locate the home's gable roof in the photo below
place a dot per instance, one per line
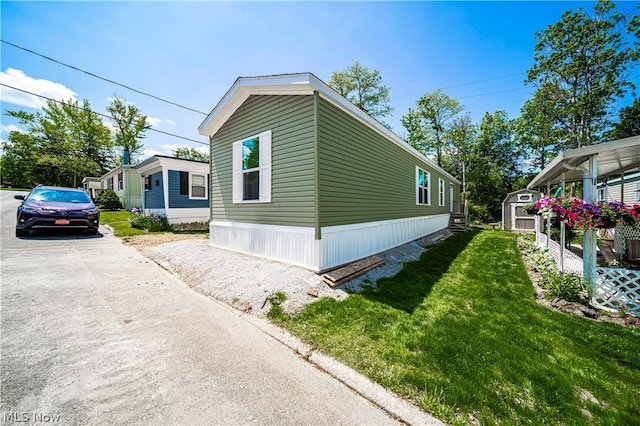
(297, 84)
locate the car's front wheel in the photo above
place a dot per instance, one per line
(21, 233)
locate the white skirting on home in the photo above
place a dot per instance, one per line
(339, 244)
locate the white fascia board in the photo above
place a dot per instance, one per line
(299, 84)
(155, 164)
(290, 84)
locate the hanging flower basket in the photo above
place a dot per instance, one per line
(578, 214)
(606, 224)
(531, 210)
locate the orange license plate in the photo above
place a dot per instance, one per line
(62, 221)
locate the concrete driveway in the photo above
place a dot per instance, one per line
(94, 333)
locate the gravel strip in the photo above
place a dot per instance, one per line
(246, 282)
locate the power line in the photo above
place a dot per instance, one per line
(466, 84)
(102, 78)
(100, 114)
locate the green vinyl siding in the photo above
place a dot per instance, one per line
(290, 119)
(364, 177)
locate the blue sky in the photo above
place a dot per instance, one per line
(191, 52)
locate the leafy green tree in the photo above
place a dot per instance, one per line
(189, 153)
(461, 138)
(364, 89)
(629, 123)
(536, 132)
(585, 59)
(426, 125)
(493, 168)
(18, 161)
(59, 146)
(130, 126)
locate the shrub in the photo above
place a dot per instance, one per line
(153, 222)
(157, 223)
(139, 221)
(569, 287)
(110, 200)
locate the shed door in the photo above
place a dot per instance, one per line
(520, 219)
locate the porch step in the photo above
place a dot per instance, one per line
(457, 222)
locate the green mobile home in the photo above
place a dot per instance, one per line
(301, 175)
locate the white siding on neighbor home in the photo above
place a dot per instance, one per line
(339, 244)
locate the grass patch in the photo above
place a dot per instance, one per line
(119, 222)
(459, 333)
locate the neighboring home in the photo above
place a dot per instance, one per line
(301, 175)
(177, 189)
(92, 186)
(514, 217)
(625, 189)
(125, 181)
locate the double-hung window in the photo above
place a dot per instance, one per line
(198, 186)
(194, 185)
(423, 193)
(440, 192)
(252, 169)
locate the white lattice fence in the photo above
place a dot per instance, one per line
(623, 233)
(614, 287)
(571, 261)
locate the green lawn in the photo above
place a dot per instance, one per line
(119, 221)
(460, 335)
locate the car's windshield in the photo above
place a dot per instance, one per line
(60, 196)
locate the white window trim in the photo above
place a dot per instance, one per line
(428, 187)
(204, 176)
(264, 170)
(441, 195)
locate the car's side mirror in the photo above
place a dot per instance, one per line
(19, 197)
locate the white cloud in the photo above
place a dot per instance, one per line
(203, 149)
(10, 128)
(154, 121)
(173, 123)
(150, 153)
(19, 80)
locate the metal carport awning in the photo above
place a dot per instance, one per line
(613, 159)
(589, 164)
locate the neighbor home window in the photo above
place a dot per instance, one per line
(422, 187)
(252, 169)
(198, 186)
(120, 180)
(110, 183)
(440, 192)
(147, 183)
(638, 191)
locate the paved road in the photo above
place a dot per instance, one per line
(94, 333)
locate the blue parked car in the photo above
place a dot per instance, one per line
(51, 207)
